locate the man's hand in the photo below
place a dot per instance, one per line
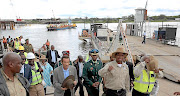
(110, 68)
(64, 88)
(77, 60)
(156, 70)
(75, 83)
(97, 84)
(40, 70)
(94, 85)
(51, 72)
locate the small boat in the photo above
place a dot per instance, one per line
(85, 35)
(52, 27)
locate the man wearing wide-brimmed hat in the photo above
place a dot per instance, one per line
(116, 74)
(47, 71)
(90, 74)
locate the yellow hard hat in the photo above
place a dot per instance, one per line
(17, 37)
(21, 48)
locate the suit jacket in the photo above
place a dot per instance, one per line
(77, 67)
(58, 78)
(49, 57)
(27, 72)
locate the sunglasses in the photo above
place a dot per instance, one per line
(23, 58)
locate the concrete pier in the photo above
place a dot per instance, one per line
(5, 24)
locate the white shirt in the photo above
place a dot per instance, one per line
(53, 59)
(22, 41)
(22, 70)
(80, 68)
(119, 65)
(144, 34)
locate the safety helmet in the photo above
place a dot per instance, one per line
(30, 55)
(17, 38)
(21, 48)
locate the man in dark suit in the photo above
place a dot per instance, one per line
(26, 69)
(79, 64)
(52, 56)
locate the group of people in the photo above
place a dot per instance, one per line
(13, 44)
(23, 75)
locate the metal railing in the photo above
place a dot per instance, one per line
(104, 47)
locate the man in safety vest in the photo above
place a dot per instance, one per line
(36, 88)
(16, 44)
(145, 73)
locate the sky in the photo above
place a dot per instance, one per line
(32, 9)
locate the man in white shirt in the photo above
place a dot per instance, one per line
(52, 56)
(79, 64)
(144, 38)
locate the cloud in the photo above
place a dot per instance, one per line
(81, 8)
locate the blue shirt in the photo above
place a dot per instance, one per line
(66, 73)
(46, 73)
(53, 56)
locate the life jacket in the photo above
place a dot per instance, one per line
(48, 43)
(17, 44)
(5, 40)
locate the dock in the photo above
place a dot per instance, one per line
(5, 24)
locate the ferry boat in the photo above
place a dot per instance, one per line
(52, 27)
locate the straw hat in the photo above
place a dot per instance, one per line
(43, 57)
(69, 82)
(119, 50)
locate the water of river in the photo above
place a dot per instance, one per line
(64, 39)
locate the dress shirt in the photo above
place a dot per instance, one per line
(66, 73)
(53, 56)
(22, 70)
(80, 69)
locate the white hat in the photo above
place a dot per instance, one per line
(30, 55)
